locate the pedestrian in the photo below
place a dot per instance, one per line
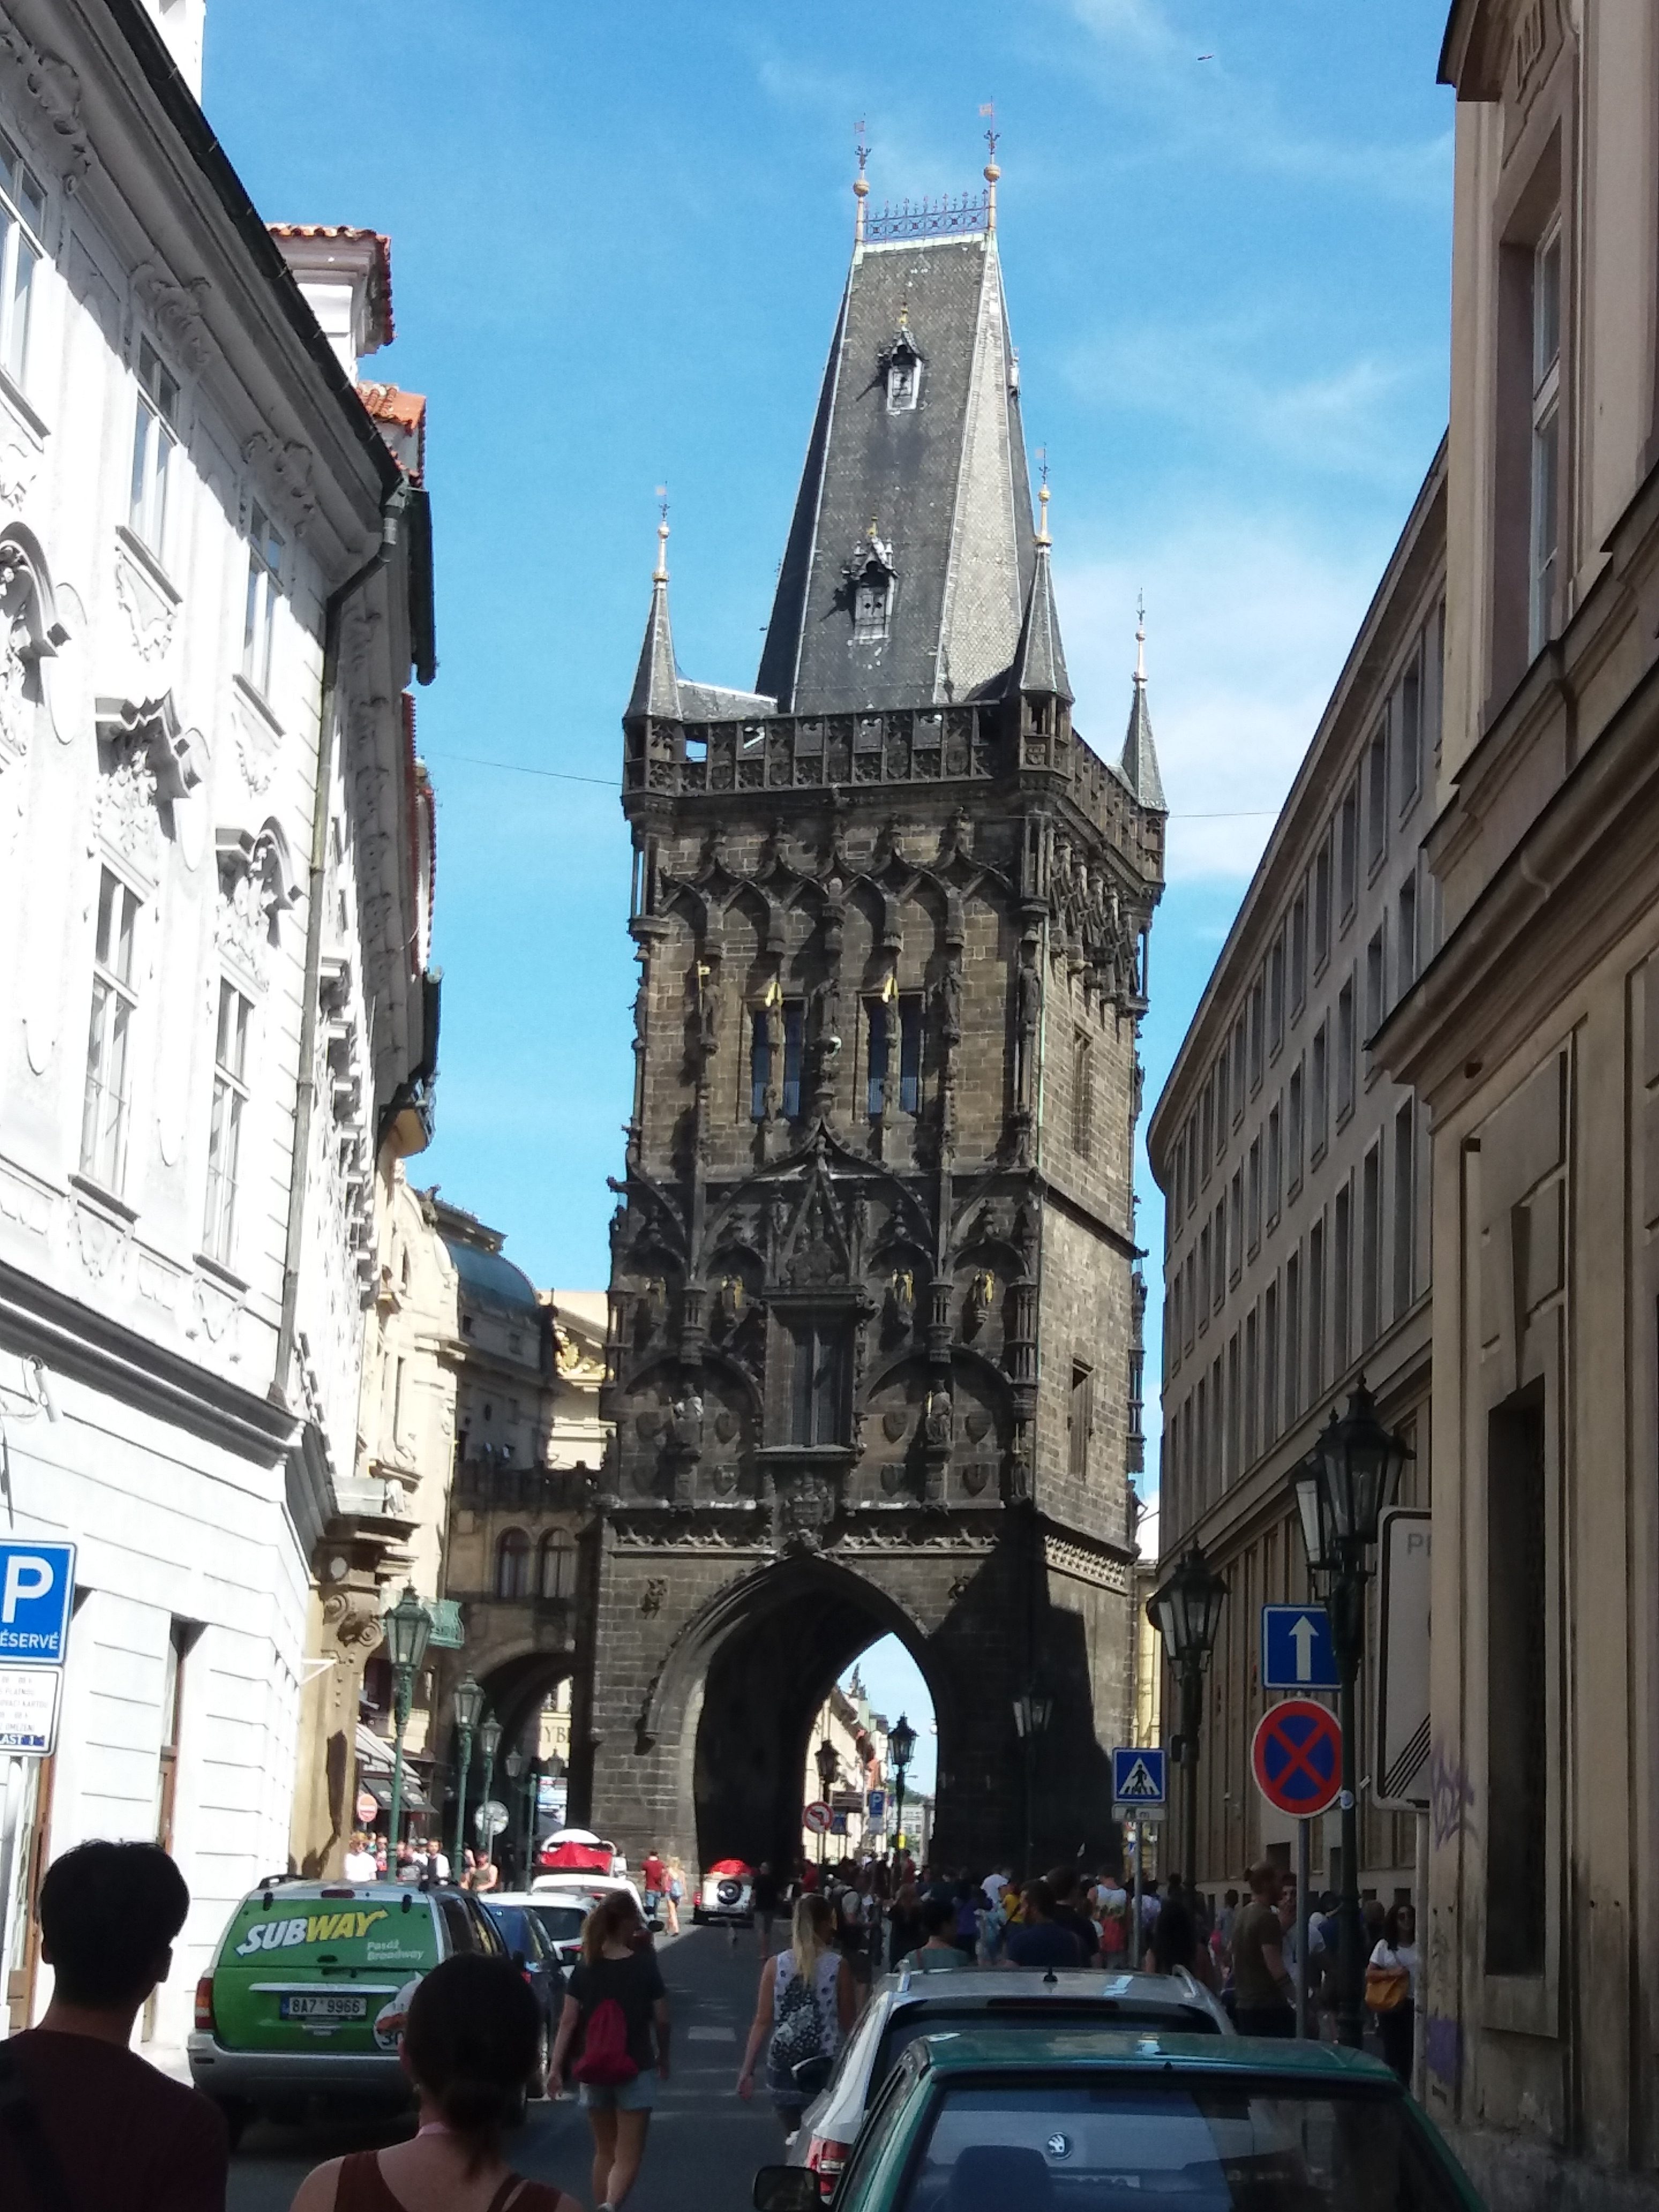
(83, 2120)
(1039, 1940)
(1262, 1989)
(1112, 1901)
(804, 2012)
(674, 1896)
(1174, 1943)
(653, 1879)
(360, 1864)
(469, 2046)
(485, 1874)
(969, 1905)
(995, 1883)
(1391, 1988)
(766, 1896)
(904, 1928)
(616, 2012)
(1069, 1912)
(940, 1951)
(409, 1862)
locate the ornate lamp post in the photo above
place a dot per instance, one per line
(1032, 1714)
(489, 1742)
(468, 1711)
(1186, 1611)
(1341, 1492)
(408, 1628)
(514, 1764)
(829, 1766)
(900, 1749)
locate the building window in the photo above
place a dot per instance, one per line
(910, 1053)
(1233, 1466)
(760, 1062)
(556, 1565)
(109, 1067)
(1240, 1085)
(1406, 938)
(1253, 1194)
(1200, 1417)
(1079, 1421)
(1257, 1012)
(225, 1126)
(1083, 1094)
(1316, 1309)
(1188, 1303)
(1375, 982)
(903, 379)
(22, 221)
(1517, 1677)
(1345, 1050)
(265, 561)
(156, 433)
(1296, 1132)
(879, 1042)
(1292, 1339)
(1276, 996)
(1222, 1116)
(1545, 526)
(1298, 951)
(1410, 727)
(1370, 1238)
(1251, 1358)
(1321, 906)
(1204, 1276)
(1270, 1365)
(1235, 1229)
(1275, 1164)
(1376, 798)
(1347, 852)
(818, 1387)
(794, 1033)
(1341, 1276)
(513, 1565)
(1218, 1287)
(1405, 1206)
(1320, 1103)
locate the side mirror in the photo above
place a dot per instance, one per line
(787, 2189)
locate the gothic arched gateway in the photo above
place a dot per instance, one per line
(874, 1351)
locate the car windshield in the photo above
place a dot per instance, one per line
(911, 2020)
(1177, 2145)
(560, 1923)
(510, 1920)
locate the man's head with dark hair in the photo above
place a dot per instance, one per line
(109, 1913)
(1039, 1901)
(1063, 1884)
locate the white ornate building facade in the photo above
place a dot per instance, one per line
(217, 1032)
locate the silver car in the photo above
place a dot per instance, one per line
(907, 2004)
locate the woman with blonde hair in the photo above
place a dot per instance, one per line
(673, 1896)
(616, 2002)
(807, 2005)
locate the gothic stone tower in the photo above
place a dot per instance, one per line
(874, 1327)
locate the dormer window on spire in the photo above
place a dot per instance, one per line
(871, 580)
(902, 368)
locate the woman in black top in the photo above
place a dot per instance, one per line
(617, 1967)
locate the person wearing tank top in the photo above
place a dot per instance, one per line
(811, 1958)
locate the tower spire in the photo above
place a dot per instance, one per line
(1139, 764)
(656, 691)
(861, 185)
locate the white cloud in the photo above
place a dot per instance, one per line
(1249, 621)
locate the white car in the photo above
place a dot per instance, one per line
(559, 1913)
(907, 2004)
(590, 1888)
(726, 1899)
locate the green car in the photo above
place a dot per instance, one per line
(1080, 2120)
(308, 1988)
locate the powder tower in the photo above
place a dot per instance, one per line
(874, 1353)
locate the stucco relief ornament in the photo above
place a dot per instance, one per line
(176, 311)
(286, 467)
(16, 709)
(55, 88)
(355, 1623)
(152, 617)
(124, 810)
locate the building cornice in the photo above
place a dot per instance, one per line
(77, 1340)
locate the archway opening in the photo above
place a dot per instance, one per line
(876, 1805)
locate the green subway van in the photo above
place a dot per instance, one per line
(307, 1993)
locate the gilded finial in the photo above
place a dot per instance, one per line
(1140, 637)
(861, 185)
(992, 171)
(659, 573)
(1042, 536)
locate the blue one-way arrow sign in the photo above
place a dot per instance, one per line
(1296, 1652)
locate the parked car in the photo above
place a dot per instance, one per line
(727, 1896)
(308, 1991)
(559, 1913)
(532, 1949)
(1155, 2122)
(578, 1850)
(907, 2004)
(591, 1887)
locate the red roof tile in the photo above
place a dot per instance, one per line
(388, 403)
(380, 287)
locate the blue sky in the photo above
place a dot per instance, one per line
(619, 236)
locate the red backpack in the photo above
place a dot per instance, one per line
(606, 2061)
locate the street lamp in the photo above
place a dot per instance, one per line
(900, 1749)
(1341, 1492)
(489, 1742)
(1032, 1714)
(514, 1764)
(407, 1628)
(829, 1766)
(468, 1712)
(1186, 1611)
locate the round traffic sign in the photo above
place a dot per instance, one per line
(1296, 1757)
(818, 1817)
(368, 1806)
(490, 1818)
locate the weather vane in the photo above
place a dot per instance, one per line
(861, 183)
(992, 134)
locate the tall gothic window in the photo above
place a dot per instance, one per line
(880, 1040)
(1545, 436)
(513, 1565)
(556, 1574)
(1083, 1095)
(794, 1037)
(910, 1053)
(818, 1395)
(114, 1003)
(760, 1062)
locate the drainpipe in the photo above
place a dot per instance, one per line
(305, 1098)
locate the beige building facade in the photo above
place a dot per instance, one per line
(1296, 1193)
(1533, 1040)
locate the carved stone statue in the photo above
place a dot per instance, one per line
(729, 1302)
(982, 1291)
(948, 993)
(899, 1311)
(938, 1424)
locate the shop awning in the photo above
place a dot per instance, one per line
(379, 1787)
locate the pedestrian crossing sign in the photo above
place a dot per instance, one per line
(1138, 1778)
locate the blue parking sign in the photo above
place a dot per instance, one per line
(37, 1594)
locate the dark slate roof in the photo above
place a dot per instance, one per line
(1040, 662)
(1139, 764)
(656, 684)
(943, 484)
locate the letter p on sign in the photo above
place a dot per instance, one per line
(28, 1576)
